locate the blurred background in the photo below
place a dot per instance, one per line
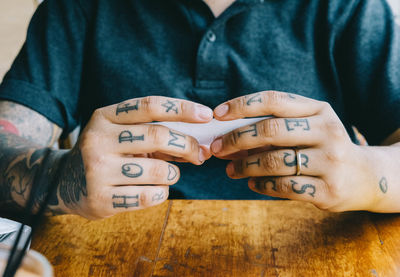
(14, 19)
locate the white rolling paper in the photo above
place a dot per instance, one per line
(9, 231)
(205, 133)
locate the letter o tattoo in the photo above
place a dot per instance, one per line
(132, 170)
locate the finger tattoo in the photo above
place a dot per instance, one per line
(262, 185)
(126, 201)
(253, 163)
(383, 185)
(294, 123)
(158, 196)
(304, 160)
(171, 106)
(127, 136)
(253, 99)
(252, 129)
(303, 188)
(171, 173)
(126, 107)
(132, 170)
(177, 140)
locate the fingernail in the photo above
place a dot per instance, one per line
(230, 169)
(216, 146)
(202, 157)
(221, 110)
(204, 112)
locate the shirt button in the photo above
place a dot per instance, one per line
(211, 37)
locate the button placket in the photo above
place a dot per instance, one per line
(211, 36)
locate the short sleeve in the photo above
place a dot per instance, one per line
(367, 55)
(46, 74)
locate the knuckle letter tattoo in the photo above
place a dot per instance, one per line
(132, 170)
(158, 196)
(171, 106)
(125, 204)
(171, 173)
(127, 136)
(126, 107)
(262, 185)
(253, 163)
(304, 160)
(253, 129)
(293, 124)
(253, 99)
(303, 188)
(177, 139)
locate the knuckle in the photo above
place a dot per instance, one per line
(335, 130)
(157, 172)
(325, 105)
(274, 98)
(238, 106)
(98, 113)
(88, 140)
(192, 147)
(153, 133)
(283, 187)
(147, 104)
(145, 198)
(335, 155)
(94, 164)
(270, 162)
(93, 209)
(269, 128)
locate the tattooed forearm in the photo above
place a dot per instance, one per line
(171, 106)
(383, 185)
(125, 201)
(127, 136)
(72, 182)
(132, 170)
(126, 107)
(303, 189)
(293, 162)
(20, 163)
(295, 123)
(26, 123)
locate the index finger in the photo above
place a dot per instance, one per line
(156, 108)
(275, 103)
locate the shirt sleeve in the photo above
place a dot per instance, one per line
(367, 55)
(46, 75)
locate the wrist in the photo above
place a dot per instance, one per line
(382, 167)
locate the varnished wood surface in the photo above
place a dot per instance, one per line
(224, 238)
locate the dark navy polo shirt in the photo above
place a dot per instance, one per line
(84, 54)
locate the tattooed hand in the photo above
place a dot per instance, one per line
(124, 161)
(336, 174)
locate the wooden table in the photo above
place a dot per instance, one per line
(224, 238)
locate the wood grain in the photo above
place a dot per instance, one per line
(123, 245)
(224, 238)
